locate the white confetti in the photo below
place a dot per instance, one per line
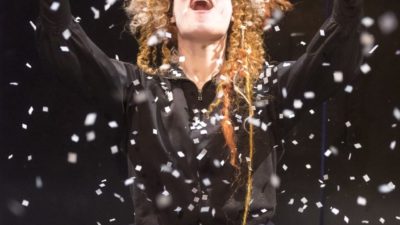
(25, 203)
(181, 154)
(75, 138)
(96, 12)
(338, 76)
(365, 68)
(367, 22)
(373, 49)
(129, 181)
(45, 109)
(99, 192)
(66, 34)
(54, 6)
(386, 188)
(361, 201)
(30, 111)
(297, 104)
(113, 124)
(366, 178)
(206, 182)
(138, 168)
(32, 25)
(90, 119)
(392, 145)
(348, 89)
(284, 167)
(182, 59)
(64, 48)
(388, 22)
(275, 181)
(109, 3)
(90, 136)
(201, 154)
(335, 211)
(28, 65)
(114, 149)
(72, 157)
(309, 95)
(396, 113)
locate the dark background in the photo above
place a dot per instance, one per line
(67, 195)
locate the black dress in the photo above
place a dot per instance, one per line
(176, 155)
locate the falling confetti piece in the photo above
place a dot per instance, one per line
(201, 154)
(366, 178)
(388, 22)
(75, 138)
(30, 111)
(90, 136)
(392, 145)
(96, 12)
(25, 203)
(361, 201)
(113, 124)
(396, 113)
(72, 157)
(66, 34)
(38, 182)
(114, 149)
(338, 76)
(367, 22)
(365, 68)
(335, 211)
(32, 25)
(348, 89)
(55, 6)
(90, 119)
(275, 181)
(386, 188)
(64, 48)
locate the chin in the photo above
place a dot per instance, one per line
(205, 35)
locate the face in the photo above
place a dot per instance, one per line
(202, 20)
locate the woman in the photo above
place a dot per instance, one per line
(202, 115)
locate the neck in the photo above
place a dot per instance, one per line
(202, 60)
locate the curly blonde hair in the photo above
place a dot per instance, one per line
(244, 61)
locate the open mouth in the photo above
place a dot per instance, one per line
(201, 4)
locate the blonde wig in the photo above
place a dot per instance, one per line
(245, 56)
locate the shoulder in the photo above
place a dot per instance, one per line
(129, 72)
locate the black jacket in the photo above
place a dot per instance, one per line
(176, 155)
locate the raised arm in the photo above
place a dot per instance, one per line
(334, 51)
(66, 51)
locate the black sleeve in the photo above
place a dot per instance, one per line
(308, 81)
(66, 51)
